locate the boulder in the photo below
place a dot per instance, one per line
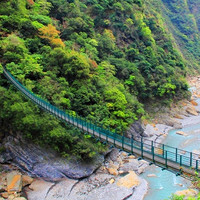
(98, 187)
(181, 133)
(26, 180)
(133, 165)
(149, 130)
(173, 122)
(113, 155)
(191, 110)
(136, 130)
(124, 154)
(151, 175)
(113, 171)
(38, 189)
(140, 191)
(41, 190)
(142, 168)
(111, 181)
(180, 184)
(131, 157)
(125, 161)
(159, 130)
(14, 182)
(129, 181)
(178, 116)
(178, 125)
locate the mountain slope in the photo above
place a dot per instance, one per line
(182, 18)
(103, 60)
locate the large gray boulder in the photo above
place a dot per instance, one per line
(136, 130)
(44, 163)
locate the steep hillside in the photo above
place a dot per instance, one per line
(182, 19)
(103, 60)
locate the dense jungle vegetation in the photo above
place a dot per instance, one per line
(103, 60)
(182, 17)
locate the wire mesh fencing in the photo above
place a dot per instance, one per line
(165, 152)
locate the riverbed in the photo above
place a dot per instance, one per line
(164, 183)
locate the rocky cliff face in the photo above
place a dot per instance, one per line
(44, 163)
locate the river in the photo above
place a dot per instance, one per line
(165, 183)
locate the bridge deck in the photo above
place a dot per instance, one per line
(161, 154)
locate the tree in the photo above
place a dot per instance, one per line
(51, 34)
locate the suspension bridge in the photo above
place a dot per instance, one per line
(160, 154)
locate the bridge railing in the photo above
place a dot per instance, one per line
(182, 157)
(178, 155)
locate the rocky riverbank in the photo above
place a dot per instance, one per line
(177, 116)
(110, 176)
(182, 115)
(117, 178)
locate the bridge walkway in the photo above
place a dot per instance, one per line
(160, 154)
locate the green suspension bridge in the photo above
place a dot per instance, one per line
(160, 154)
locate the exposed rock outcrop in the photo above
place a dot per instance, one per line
(100, 185)
(129, 181)
(191, 110)
(136, 130)
(39, 162)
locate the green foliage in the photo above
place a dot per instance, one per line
(182, 18)
(196, 184)
(102, 60)
(182, 197)
(44, 129)
(1, 69)
(176, 197)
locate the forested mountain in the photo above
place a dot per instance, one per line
(103, 60)
(182, 18)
